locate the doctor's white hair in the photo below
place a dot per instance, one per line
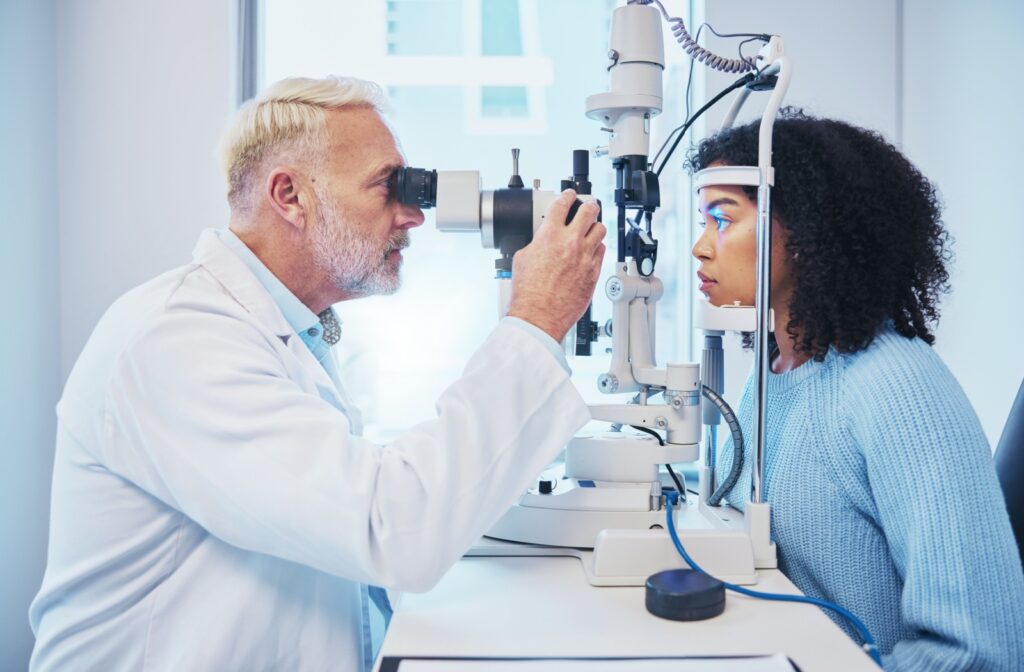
(289, 119)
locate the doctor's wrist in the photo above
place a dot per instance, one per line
(554, 326)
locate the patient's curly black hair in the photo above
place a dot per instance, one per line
(865, 236)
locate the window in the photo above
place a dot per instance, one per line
(469, 80)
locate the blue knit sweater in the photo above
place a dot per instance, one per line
(884, 499)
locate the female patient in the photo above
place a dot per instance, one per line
(869, 437)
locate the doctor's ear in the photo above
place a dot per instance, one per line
(285, 197)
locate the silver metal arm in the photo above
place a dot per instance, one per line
(762, 300)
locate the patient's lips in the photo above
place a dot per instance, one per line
(705, 282)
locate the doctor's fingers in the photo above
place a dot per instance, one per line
(584, 219)
(595, 235)
(557, 213)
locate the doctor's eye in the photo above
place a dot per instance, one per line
(387, 185)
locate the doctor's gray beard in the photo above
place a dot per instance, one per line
(356, 264)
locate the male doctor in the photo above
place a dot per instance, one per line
(214, 507)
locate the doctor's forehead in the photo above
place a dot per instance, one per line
(360, 140)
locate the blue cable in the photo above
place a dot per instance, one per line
(869, 643)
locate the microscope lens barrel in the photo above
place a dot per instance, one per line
(581, 172)
(458, 201)
(416, 186)
(580, 163)
(512, 219)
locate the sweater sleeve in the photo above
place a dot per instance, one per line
(940, 508)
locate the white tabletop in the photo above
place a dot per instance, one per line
(543, 606)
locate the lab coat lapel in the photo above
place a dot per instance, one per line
(327, 385)
(355, 416)
(230, 271)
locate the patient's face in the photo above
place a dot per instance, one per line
(727, 247)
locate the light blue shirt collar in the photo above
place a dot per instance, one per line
(304, 321)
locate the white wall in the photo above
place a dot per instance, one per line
(30, 322)
(962, 126)
(111, 112)
(144, 90)
(843, 53)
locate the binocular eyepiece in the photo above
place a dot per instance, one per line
(505, 219)
(416, 186)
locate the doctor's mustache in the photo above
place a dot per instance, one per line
(397, 241)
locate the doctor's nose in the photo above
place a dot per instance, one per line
(409, 216)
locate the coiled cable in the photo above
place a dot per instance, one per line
(737, 446)
(694, 50)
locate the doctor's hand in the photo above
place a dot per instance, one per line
(553, 277)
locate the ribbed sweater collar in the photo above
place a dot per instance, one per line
(780, 382)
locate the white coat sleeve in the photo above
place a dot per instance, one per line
(201, 414)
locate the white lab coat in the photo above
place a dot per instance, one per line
(212, 509)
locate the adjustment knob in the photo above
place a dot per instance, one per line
(515, 182)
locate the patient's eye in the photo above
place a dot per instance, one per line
(718, 218)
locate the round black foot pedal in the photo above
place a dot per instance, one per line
(684, 595)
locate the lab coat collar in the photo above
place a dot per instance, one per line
(298, 314)
(213, 254)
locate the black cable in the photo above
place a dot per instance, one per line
(744, 58)
(742, 81)
(689, 77)
(680, 488)
(648, 430)
(686, 99)
(761, 36)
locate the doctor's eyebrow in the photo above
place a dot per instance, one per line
(383, 172)
(717, 202)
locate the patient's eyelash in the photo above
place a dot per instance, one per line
(721, 221)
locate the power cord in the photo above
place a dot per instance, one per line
(697, 52)
(661, 442)
(751, 37)
(869, 645)
(742, 81)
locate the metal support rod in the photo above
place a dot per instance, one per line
(762, 304)
(762, 296)
(734, 109)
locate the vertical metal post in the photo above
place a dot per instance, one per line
(762, 297)
(248, 52)
(762, 304)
